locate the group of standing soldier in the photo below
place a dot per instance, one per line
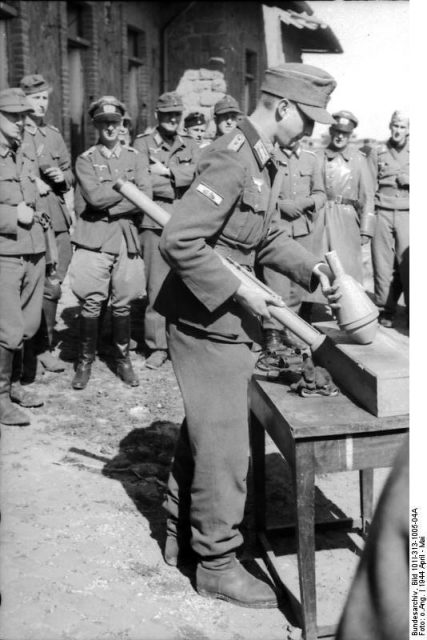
(338, 197)
(252, 194)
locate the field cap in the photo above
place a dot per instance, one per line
(308, 86)
(14, 101)
(193, 119)
(398, 116)
(344, 121)
(227, 104)
(107, 108)
(170, 102)
(34, 83)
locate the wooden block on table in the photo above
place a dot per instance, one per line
(376, 375)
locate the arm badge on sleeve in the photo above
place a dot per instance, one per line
(209, 193)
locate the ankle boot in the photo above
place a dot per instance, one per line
(47, 357)
(22, 396)
(87, 348)
(231, 582)
(9, 413)
(121, 340)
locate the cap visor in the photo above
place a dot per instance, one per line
(16, 109)
(220, 113)
(108, 117)
(318, 114)
(170, 109)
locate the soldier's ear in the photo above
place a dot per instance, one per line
(282, 108)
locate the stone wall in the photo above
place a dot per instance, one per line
(200, 90)
(219, 30)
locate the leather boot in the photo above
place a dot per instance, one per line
(87, 348)
(9, 413)
(46, 357)
(19, 394)
(234, 584)
(121, 340)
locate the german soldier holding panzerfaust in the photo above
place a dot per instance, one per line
(213, 317)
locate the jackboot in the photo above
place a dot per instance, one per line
(19, 394)
(9, 413)
(231, 582)
(47, 326)
(121, 341)
(87, 348)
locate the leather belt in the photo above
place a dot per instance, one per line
(244, 258)
(163, 199)
(344, 201)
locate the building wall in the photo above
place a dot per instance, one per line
(220, 30)
(37, 42)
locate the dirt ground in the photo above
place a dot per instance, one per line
(83, 526)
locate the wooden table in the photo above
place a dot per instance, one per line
(315, 435)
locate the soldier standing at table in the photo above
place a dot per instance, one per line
(56, 179)
(171, 159)
(22, 249)
(390, 244)
(301, 196)
(107, 259)
(226, 114)
(212, 317)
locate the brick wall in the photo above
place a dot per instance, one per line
(38, 43)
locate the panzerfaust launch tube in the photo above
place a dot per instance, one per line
(284, 315)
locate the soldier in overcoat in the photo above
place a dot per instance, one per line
(22, 255)
(172, 160)
(212, 317)
(55, 180)
(107, 260)
(347, 221)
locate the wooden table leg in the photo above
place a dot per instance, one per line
(366, 481)
(257, 437)
(304, 493)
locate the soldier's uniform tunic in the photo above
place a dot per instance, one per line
(301, 179)
(22, 248)
(51, 151)
(210, 335)
(106, 236)
(180, 157)
(390, 243)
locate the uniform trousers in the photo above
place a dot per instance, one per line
(65, 252)
(95, 275)
(156, 270)
(390, 247)
(21, 291)
(207, 483)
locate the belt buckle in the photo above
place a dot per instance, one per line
(338, 199)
